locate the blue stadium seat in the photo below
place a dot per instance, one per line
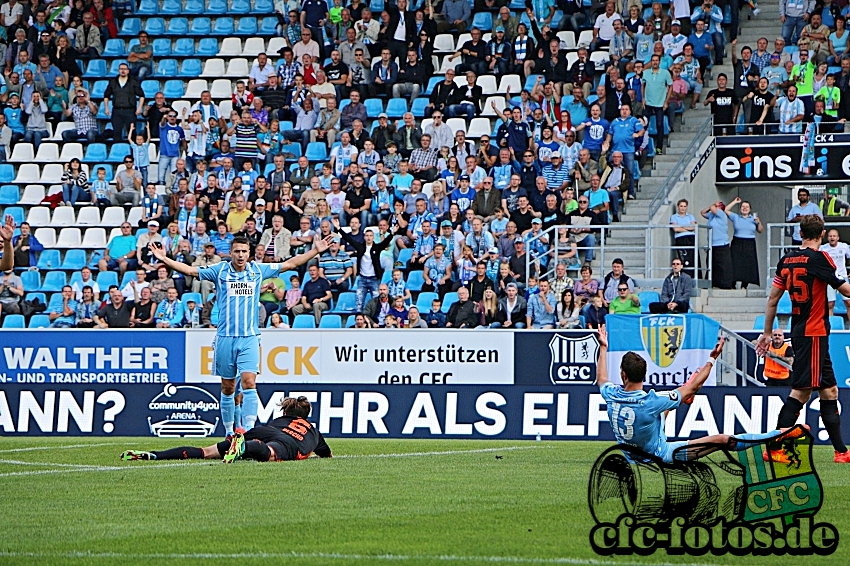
(39, 321)
(118, 152)
(74, 260)
(148, 8)
(53, 281)
(155, 26)
(404, 256)
(836, 322)
(268, 26)
(190, 68)
(349, 323)
(840, 307)
(49, 259)
(784, 306)
(483, 21)
(396, 107)
(9, 195)
(293, 152)
(432, 82)
(530, 82)
(448, 300)
(7, 174)
(16, 212)
(13, 321)
(114, 48)
(374, 106)
(345, 304)
(238, 7)
(162, 47)
(130, 27)
(647, 297)
(95, 153)
(330, 321)
(304, 321)
(54, 302)
(377, 6)
(166, 68)
(106, 278)
(263, 7)
(247, 26)
(217, 7)
(759, 323)
(173, 89)
(178, 26)
(185, 47)
(31, 279)
(202, 27)
(36, 295)
(223, 26)
(194, 7)
(150, 87)
(652, 128)
(95, 69)
(171, 7)
(98, 89)
(415, 280)
(418, 108)
(191, 297)
(316, 151)
(423, 302)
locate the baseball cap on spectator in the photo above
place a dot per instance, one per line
(519, 240)
(15, 94)
(153, 223)
(463, 177)
(209, 245)
(260, 202)
(675, 23)
(383, 115)
(512, 284)
(446, 223)
(775, 56)
(494, 250)
(536, 221)
(499, 29)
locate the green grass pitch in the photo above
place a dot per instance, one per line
(71, 501)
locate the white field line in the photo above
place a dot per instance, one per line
(57, 447)
(70, 468)
(331, 556)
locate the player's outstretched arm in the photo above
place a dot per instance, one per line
(602, 362)
(319, 248)
(7, 232)
(159, 253)
(770, 314)
(695, 383)
(844, 289)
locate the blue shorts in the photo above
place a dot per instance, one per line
(234, 355)
(667, 451)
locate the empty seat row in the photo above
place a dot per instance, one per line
(65, 216)
(185, 47)
(200, 26)
(174, 7)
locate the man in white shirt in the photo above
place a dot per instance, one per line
(440, 132)
(86, 279)
(306, 45)
(258, 78)
(674, 42)
(603, 28)
(840, 253)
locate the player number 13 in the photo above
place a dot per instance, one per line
(624, 417)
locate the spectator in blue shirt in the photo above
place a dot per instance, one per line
(169, 313)
(221, 240)
(541, 307)
(315, 297)
(595, 129)
(65, 314)
(623, 136)
(804, 208)
(721, 254)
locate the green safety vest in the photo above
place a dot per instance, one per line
(831, 210)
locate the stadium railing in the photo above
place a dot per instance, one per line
(779, 238)
(654, 242)
(678, 173)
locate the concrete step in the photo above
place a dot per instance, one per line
(742, 304)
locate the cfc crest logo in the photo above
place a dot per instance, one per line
(183, 410)
(573, 359)
(662, 336)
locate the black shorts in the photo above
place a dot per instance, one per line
(812, 367)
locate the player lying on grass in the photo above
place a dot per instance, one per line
(290, 437)
(637, 416)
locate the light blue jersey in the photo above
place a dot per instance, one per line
(637, 418)
(238, 295)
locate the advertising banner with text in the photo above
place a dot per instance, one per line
(383, 411)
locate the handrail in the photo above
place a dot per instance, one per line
(678, 172)
(734, 367)
(778, 241)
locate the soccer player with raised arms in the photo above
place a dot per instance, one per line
(637, 416)
(237, 342)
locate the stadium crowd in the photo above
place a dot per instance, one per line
(416, 205)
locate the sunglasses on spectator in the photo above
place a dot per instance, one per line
(623, 289)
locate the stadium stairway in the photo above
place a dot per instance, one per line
(734, 308)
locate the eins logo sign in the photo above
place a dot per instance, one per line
(756, 167)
